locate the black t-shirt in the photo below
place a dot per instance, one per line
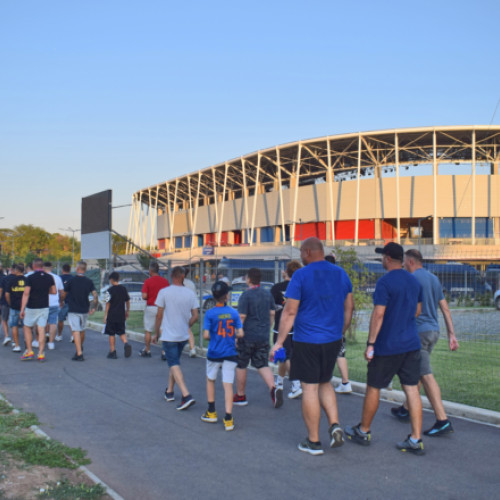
(16, 289)
(40, 283)
(118, 296)
(65, 278)
(3, 285)
(78, 290)
(278, 293)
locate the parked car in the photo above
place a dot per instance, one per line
(496, 299)
(134, 290)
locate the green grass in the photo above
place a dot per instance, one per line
(65, 490)
(469, 376)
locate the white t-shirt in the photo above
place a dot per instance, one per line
(189, 284)
(177, 302)
(54, 299)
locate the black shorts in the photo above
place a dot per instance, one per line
(115, 328)
(381, 369)
(287, 345)
(255, 352)
(314, 363)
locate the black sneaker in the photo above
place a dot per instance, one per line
(407, 445)
(127, 349)
(311, 448)
(401, 413)
(112, 355)
(336, 436)
(145, 354)
(439, 429)
(169, 396)
(277, 396)
(355, 434)
(77, 357)
(186, 403)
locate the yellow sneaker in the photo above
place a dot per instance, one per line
(209, 416)
(229, 424)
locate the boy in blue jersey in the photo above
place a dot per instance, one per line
(221, 326)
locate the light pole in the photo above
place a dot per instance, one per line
(72, 231)
(429, 217)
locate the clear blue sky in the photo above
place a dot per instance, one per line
(108, 94)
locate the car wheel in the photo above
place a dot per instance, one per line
(209, 303)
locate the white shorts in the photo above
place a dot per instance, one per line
(228, 368)
(77, 321)
(37, 317)
(150, 318)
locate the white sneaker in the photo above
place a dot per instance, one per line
(192, 353)
(59, 338)
(278, 383)
(296, 390)
(16, 348)
(51, 346)
(6, 341)
(34, 343)
(13, 344)
(72, 340)
(344, 388)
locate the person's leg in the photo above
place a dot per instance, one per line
(147, 341)
(415, 409)
(370, 407)
(433, 393)
(112, 343)
(28, 338)
(82, 337)
(311, 410)
(267, 375)
(15, 335)
(77, 338)
(228, 397)
(191, 340)
(41, 339)
(241, 381)
(52, 332)
(328, 402)
(171, 382)
(178, 378)
(344, 372)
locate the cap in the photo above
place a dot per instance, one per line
(220, 288)
(393, 250)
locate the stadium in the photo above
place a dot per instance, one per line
(432, 187)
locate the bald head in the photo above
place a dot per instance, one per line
(311, 250)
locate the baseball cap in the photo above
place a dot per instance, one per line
(220, 288)
(393, 250)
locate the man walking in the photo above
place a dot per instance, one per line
(177, 313)
(319, 306)
(150, 290)
(54, 304)
(428, 331)
(77, 292)
(14, 297)
(66, 276)
(393, 347)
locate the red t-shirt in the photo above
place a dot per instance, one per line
(152, 286)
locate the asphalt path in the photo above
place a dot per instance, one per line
(143, 448)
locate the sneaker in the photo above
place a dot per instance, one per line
(77, 357)
(127, 348)
(59, 338)
(186, 403)
(6, 341)
(192, 353)
(240, 400)
(145, 354)
(344, 388)
(439, 429)
(354, 434)
(112, 355)
(277, 396)
(296, 390)
(41, 357)
(169, 396)
(72, 340)
(16, 348)
(209, 416)
(311, 448)
(229, 424)
(408, 445)
(401, 413)
(13, 344)
(27, 355)
(51, 346)
(278, 383)
(34, 343)
(163, 356)
(336, 436)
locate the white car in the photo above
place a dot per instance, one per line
(134, 289)
(496, 299)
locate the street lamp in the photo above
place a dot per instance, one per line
(72, 231)
(429, 217)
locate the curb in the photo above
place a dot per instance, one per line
(452, 409)
(36, 430)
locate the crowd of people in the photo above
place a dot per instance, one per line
(309, 313)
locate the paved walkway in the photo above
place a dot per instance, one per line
(143, 448)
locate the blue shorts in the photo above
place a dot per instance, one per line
(173, 351)
(53, 312)
(14, 319)
(63, 313)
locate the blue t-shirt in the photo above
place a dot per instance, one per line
(322, 289)
(432, 293)
(222, 323)
(400, 293)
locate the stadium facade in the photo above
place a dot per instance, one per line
(435, 187)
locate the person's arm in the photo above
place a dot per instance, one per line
(93, 305)
(452, 339)
(419, 309)
(7, 298)
(348, 310)
(376, 321)
(286, 322)
(194, 317)
(239, 333)
(53, 290)
(159, 318)
(106, 310)
(127, 309)
(272, 313)
(206, 334)
(24, 300)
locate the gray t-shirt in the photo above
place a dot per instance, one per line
(432, 293)
(256, 304)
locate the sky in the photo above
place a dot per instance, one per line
(122, 95)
